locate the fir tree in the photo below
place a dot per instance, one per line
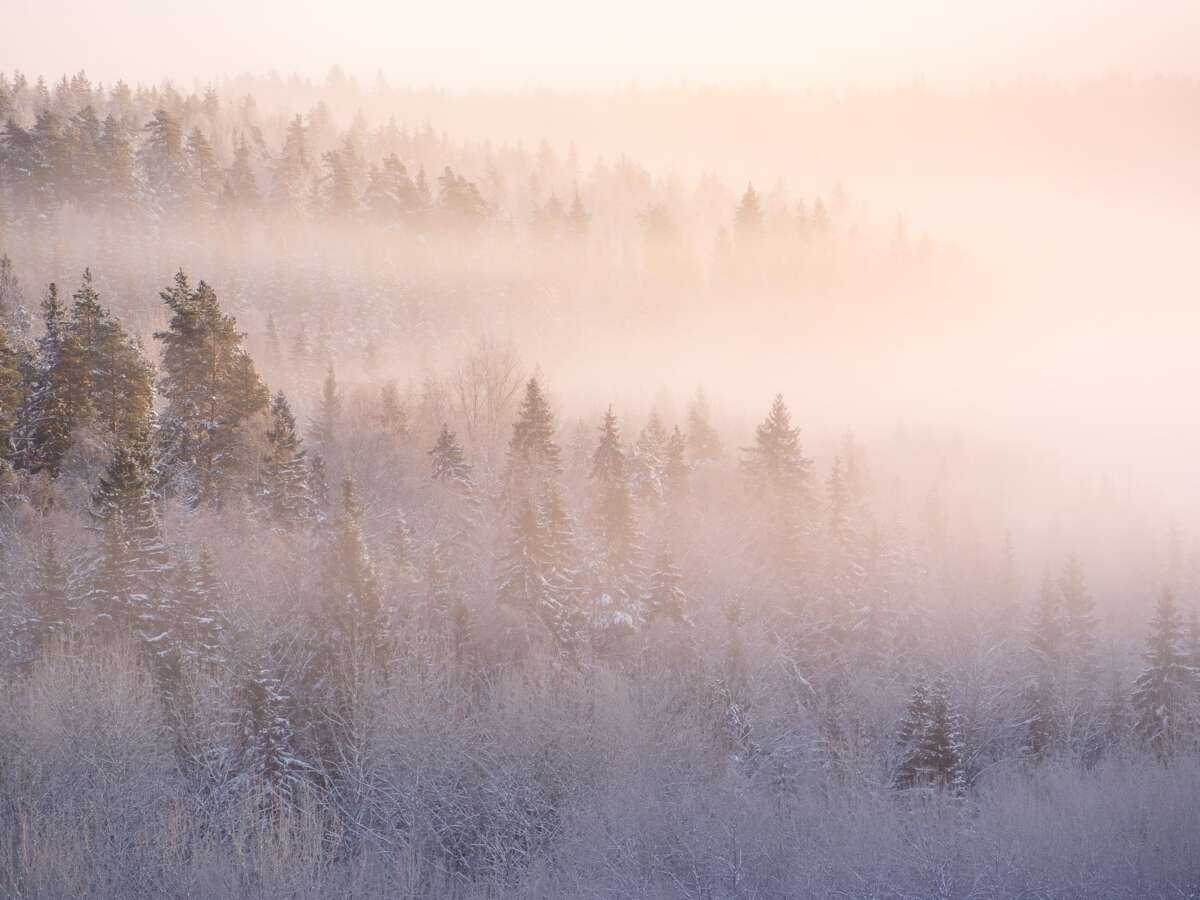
(123, 489)
(677, 472)
(1161, 693)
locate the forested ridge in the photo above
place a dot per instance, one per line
(313, 586)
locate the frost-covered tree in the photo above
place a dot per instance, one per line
(325, 424)
(198, 611)
(1163, 690)
(704, 443)
(449, 465)
(665, 598)
(48, 601)
(774, 465)
(284, 480)
(266, 755)
(46, 417)
(930, 742)
(211, 391)
(616, 593)
(522, 574)
(648, 461)
(533, 456)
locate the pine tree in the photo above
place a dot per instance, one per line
(449, 464)
(284, 485)
(1162, 691)
(211, 391)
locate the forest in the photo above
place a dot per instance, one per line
(386, 513)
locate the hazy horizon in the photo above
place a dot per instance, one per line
(536, 44)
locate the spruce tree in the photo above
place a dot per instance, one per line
(198, 611)
(351, 615)
(533, 456)
(748, 219)
(775, 465)
(326, 423)
(617, 533)
(524, 567)
(46, 418)
(266, 757)
(1041, 694)
(116, 604)
(449, 465)
(930, 742)
(676, 472)
(12, 392)
(124, 487)
(1162, 691)
(648, 461)
(284, 485)
(666, 599)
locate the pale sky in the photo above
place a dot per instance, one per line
(867, 43)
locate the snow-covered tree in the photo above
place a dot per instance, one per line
(1163, 690)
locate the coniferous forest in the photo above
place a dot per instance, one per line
(391, 511)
